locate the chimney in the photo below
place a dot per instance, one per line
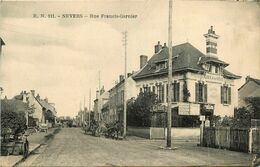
(97, 92)
(121, 78)
(247, 78)
(164, 46)
(2, 43)
(24, 96)
(38, 96)
(102, 90)
(157, 47)
(211, 43)
(46, 99)
(143, 61)
(33, 92)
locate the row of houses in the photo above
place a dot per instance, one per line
(36, 107)
(33, 105)
(201, 83)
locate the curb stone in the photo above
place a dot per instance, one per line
(23, 158)
(38, 146)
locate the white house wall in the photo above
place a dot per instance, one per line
(213, 81)
(38, 108)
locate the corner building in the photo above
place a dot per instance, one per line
(201, 83)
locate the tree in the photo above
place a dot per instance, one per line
(13, 120)
(139, 109)
(13, 116)
(186, 92)
(244, 115)
(253, 106)
(49, 116)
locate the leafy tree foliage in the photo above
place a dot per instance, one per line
(13, 120)
(13, 116)
(242, 117)
(139, 109)
(186, 92)
(49, 116)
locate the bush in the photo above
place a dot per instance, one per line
(49, 116)
(13, 120)
(139, 109)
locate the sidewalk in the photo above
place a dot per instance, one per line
(35, 141)
(12, 160)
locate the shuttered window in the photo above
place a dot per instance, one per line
(153, 89)
(176, 91)
(225, 95)
(160, 93)
(167, 92)
(201, 92)
(205, 93)
(229, 95)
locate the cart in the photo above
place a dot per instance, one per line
(15, 145)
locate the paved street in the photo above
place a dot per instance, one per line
(70, 147)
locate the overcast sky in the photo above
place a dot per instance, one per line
(60, 58)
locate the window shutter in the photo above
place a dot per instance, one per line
(222, 94)
(174, 91)
(162, 93)
(178, 92)
(229, 95)
(167, 92)
(196, 92)
(205, 93)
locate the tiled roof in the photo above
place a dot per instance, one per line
(47, 105)
(256, 93)
(207, 59)
(230, 75)
(256, 80)
(123, 80)
(248, 78)
(15, 104)
(185, 57)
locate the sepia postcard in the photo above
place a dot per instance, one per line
(130, 83)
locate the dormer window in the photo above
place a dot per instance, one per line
(161, 65)
(216, 70)
(213, 69)
(210, 68)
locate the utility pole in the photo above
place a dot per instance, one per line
(1, 91)
(99, 93)
(169, 112)
(84, 111)
(89, 106)
(80, 113)
(125, 83)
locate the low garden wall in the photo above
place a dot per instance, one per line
(146, 132)
(160, 133)
(185, 133)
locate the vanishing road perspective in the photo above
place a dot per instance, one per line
(71, 147)
(130, 83)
